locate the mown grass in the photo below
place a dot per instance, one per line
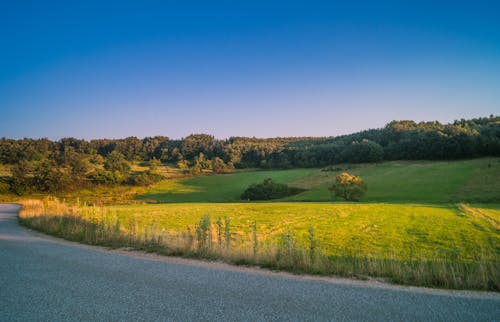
(395, 182)
(453, 247)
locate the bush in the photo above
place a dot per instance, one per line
(115, 162)
(268, 190)
(145, 178)
(4, 188)
(101, 176)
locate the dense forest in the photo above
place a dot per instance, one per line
(47, 165)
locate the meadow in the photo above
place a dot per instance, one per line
(380, 230)
(421, 223)
(411, 244)
(216, 188)
(395, 182)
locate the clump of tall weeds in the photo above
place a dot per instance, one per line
(204, 235)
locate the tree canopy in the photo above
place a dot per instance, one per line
(398, 140)
(348, 186)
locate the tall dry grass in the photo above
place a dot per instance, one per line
(214, 240)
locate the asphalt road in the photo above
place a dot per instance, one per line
(47, 279)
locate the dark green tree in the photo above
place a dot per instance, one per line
(268, 190)
(115, 162)
(22, 177)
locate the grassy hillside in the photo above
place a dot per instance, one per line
(396, 182)
(418, 182)
(217, 188)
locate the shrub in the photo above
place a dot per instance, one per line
(145, 178)
(101, 176)
(4, 188)
(115, 162)
(268, 190)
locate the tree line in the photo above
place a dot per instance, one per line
(398, 140)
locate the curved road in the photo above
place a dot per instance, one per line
(47, 279)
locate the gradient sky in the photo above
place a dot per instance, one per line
(237, 68)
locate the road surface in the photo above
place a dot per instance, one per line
(47, 279)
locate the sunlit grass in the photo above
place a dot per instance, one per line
(167, 171)
(404, 231)
(216, 188)
(393, 182)
(416, 181)
(454, 246)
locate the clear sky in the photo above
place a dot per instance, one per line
(243, 68)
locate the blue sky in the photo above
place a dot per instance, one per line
(236, 68)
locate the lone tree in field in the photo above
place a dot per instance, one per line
(348, 186)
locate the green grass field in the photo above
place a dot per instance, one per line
(216, 188)
(394, 182)
(428, 245)
(378, 230)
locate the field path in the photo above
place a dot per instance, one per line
(47, 279)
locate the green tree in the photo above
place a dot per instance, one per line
(200, 164)
(115, 162)
(195, 169)
(49, 177)
(22, 177)
(183, 165)
(153, 165)
(193, 144)
(348, 186)
(363, 151)
(116, 169)
(76, 166)
(204, 163)
(218, 165)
